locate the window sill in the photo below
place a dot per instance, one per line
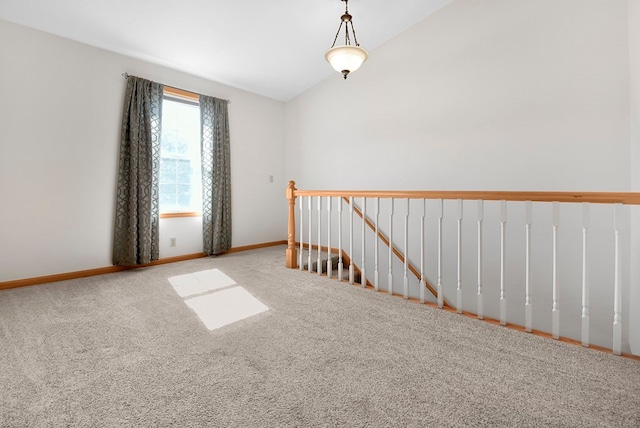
(176, 215)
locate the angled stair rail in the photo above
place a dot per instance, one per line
(394, 249)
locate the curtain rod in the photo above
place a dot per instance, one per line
(127, 75)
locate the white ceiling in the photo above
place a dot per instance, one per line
(270, 47)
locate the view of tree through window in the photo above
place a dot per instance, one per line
(180, 175)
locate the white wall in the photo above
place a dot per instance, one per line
(634, 74)
(60, 112)
(486, 95)
(491, 94)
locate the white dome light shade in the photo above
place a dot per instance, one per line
(346, 59)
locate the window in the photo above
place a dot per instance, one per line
(180, 174)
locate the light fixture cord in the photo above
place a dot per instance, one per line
(337, 34)
(347, 38)
(355, 39)
(347, 41)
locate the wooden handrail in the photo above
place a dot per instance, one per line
(631, 198)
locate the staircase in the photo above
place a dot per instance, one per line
(335, 260)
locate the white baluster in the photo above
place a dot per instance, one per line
(363, 274)
(480, 297)
(440, 291)
(319, 262)
(503, 239)
(340, 264)
(301, 232)
(585, 274)
(617, 290)
(329, 262)
(459, 270)
(309, 267)
(405, 278)
(376, 274)
(351, 255)
(555, 309)
(528, 307)
(423, 281)
(390, 275)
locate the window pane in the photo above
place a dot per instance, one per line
(184, 195)
(182, 146)
(184, 171)
(168, 143)
(180, 175)
(167, 170)
(168, 196)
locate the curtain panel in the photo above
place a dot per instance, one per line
(137, 215)
(216, 175)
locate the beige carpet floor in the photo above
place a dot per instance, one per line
(125, 350)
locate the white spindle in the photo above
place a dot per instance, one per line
(329, 261)
(617, 290)
(390, 275)
(405, 278)
(459, 270)
(301, 231)
(309, 267)
(340, 264)
(440, 291)
(376, 275)
(363, 275)
(423, 281)
(319, 262)
(503, 236)
(480, 303)
(528, 307)
(555, 310)
(585, 274)
(351, 239)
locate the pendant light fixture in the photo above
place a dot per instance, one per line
(346, 58)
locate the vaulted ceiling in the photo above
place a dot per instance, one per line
(270, 47)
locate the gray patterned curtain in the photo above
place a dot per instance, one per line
(216, 175)
(137, 215)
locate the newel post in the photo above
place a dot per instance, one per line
(292, 254)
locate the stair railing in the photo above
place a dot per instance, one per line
(531, 201)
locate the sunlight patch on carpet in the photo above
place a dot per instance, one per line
(215, 307)
(200, 282)
(225, 307)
